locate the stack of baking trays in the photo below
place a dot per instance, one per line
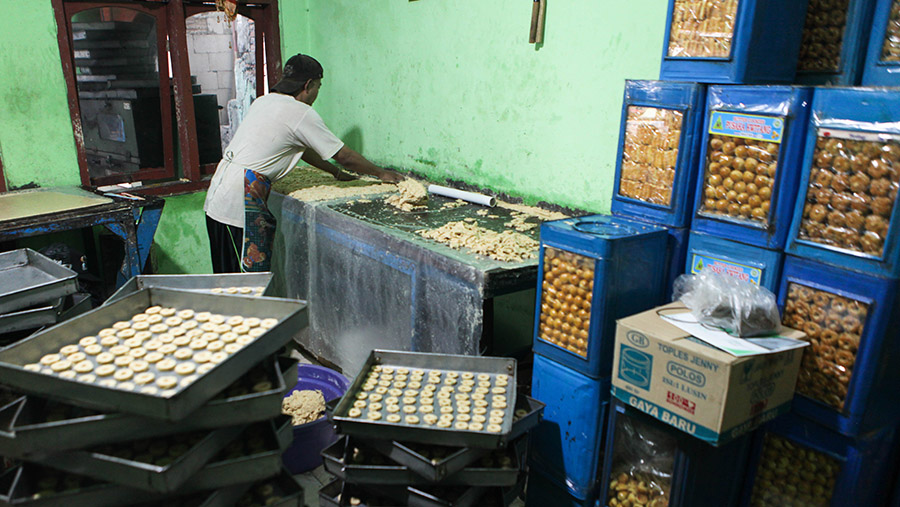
(35, 291)
(431, 430)
(165, 397)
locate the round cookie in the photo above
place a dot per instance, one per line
(139, 366)
(123, 374)
(105, 370)
(185, 368)
(166, 365)
(87, 340)
(167, 382)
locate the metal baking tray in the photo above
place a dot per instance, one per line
(24, 430)
(28, 279)
(381, 429)
(528, 412)
(224, 471)
(200, 283)
(292, 316)
(338, 462)
(100, 465)
(445, 496)
(280, 491)
(17, 488)
(336, 493)
(31, 318)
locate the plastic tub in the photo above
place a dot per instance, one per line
(311, 438)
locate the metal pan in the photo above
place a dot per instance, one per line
(25, 432)
(380, 429)
(338, 462)
(199, 283)
(435, 496)
(338, 493)
(291, 314)
(104, 466)
(18, 488)
(528, 414)
(28, 279)
(280, 491)
(31, 318)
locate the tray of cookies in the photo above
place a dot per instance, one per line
(32, 318)
(430, 398)
(233, 284)
(358, 463)
(280, 491)
(158, 464)
(34, 426)
(160, 353)
(28, 278)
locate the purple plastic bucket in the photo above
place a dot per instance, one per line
(311, 438)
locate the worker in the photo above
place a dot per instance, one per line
(280, 129)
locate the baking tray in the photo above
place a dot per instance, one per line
(17, 489)
(335, 493)
(108, 464)
(338, 462)
(28, 279)
(280, 491)
(25, 431)
(292, 316)
(445, 496)
(456, 459)
(200, 283)
(31, 318)
(381, 429)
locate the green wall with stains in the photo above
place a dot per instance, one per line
(452, 89)
(35, 125)
(181, 240)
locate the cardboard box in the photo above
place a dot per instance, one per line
(672, 376)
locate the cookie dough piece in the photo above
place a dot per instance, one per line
(189, 325)
(167, 382)
(426, 409)
(494, 428)
(93, 350)
(123, 374)
(140, 326)
(228, 338)
(154, 319)
(375, 397)
(87, 377)
(87, 340)
(177, 331)
(393, 418)
(173, 321)
(412, 419)
(185, 368)
(203, 368)
(126, 386)
(105, 370)
(193, 333)
(122, 324)
(495, 420)
(374, 416)
(105, 358)
(119, 350)
(202, 316)
(138, 352)
(77, 357)
(444, 424)
(151, 390)
(479, 410)
(181, 341)
(123, 360)
(256, 332)
(203, 356)
(479, 418)
(109, 341)
(354, 412)
(139, 366)
(167, 312)
(231, 348)
(186, 314)
(199, 344)
(68, 350)
(242, 329)
(132, 343)
(167, 348)
(158, 328)
(218, 357)
(209, 337)
(237, 320)
(103, 333)
(166, 365)
(375, 406)
(208, 327)
(183, 353)
(153, 310)
(168, 393)
(253, 322)
(61, 365)
(153, 357)
(49, 359)
(217, 319)
(498, 390)
(108, 382)
(215, 346)
(393, 408)
(165, 338)
(222, 329)
(32, 367)
(476, 426)
(359, 404)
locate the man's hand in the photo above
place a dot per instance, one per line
(390, 176)
(344, 176)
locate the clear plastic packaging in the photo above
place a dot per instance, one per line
(793, 474)
(566, 294)
(853, 184)
(739, 307)
(650, 154)
(833, 325)
(823, 35)
(891, 50)
(739, 178)
(702, 28)
(642, 465)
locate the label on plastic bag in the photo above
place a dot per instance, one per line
(747, 126)
(723, 267)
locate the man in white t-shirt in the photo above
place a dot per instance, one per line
(280, 129)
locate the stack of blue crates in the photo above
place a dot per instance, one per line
(835, 38)
(882, 66)
(593, 270)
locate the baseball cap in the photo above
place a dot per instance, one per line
(297, 71)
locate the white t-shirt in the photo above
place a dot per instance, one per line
(270, 141)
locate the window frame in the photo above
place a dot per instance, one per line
(175, 12)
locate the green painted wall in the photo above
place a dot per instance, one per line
(35, 125)
(181, 244)
(453, 89)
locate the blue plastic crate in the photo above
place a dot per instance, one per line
(746, 41)
(595, 269)
(849, 376)
(750, 263)
(845, 213)
(658, 141)
(883, 55)
(824, 62)
(543, 492)
(684, 470)
(677, 253)
(792, 451)
(746, 192)
(565, 446)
